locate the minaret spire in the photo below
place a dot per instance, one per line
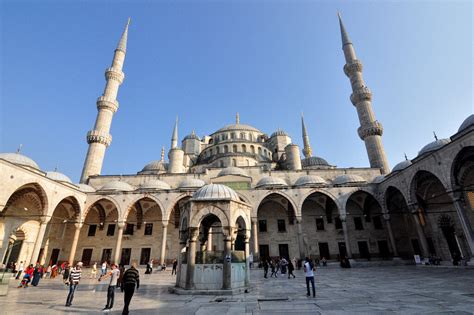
(307, 152)
(99, 138)
(162, 153)
(237, 118)
(370, 130)
(174, 137)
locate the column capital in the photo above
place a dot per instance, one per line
(78, 225)
(193, 234)
(298, 219)
(45, 219)
(343, 218)
(165, 223)
(121, 224)
(386, 216)
(254, 221)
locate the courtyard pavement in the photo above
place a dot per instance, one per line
(380, 290)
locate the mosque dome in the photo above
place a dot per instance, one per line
(309, 180)
(215, 192)
(19, 159)
(85, 188)
(400, 166)
(378, 179)
(314, 161)
(191, 183)
(156, 166)
(348, 179)
(155, 184)
(117, 185)
(232, 170)
(468, 122)
(238, 127)
(279, 132)
(269, 181)
(192, 136)
(60, 177)
(433, 146)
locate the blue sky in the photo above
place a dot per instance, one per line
(206, 60)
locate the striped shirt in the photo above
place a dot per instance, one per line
(131, 277)
(75, 275)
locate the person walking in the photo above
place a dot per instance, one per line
(74, 278)
(273, 268)
(94, 271)
(175, 266)
(114, 275)
(291, 268)
(308, 269)
(20, 270)
(66, 272)
(103, 269)
(48, 272)
(120, 279)
(265, 268)
(131, 278)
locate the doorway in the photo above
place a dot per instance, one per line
(54, 256)
(283, 250)
(383, 249)
(106, 255)
(126, 253)
(363, 250)
(324, 251)
(86, 256)
(342, 250)
(264, 252)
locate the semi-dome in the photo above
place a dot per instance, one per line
(19, 159)
(378, 179)
(309, 180)
(215, 192)
(60, 177)
(85, 188)
(238, 127)
(433, 146)
(400, 166)
(117, 185)
(270, 181)
(155, 184)
(279, 132)
(467, 123)
(191, 183)
(348, 179)
(314, 161)
(232, 170)
(156, 166)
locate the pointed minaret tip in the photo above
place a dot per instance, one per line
(307, 151)
(237, 118)
(122, 45)
(128, 21)
(162, 153)
(174, 137)
(344, 36)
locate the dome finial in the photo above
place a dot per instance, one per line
(19, 148)
(406, 157)
(435, 136)
(162, 153)
(237, 118)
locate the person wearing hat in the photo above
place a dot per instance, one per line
(74, 278)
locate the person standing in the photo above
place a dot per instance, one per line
(48, 272)
(20, 270)
(291, 267)
(94, 270)
(175, 266)
(114, 275)
(103, 269)
(66, 272)
(74, 278)
(273, 268)
(120, 279)
(37, 274)
(265, 268)
(131, 278)
(308, 269)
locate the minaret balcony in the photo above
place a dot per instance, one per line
(351, 67)
(361, 94)
(114, 74)
(373, 128)
(97, 136)
(104, 102)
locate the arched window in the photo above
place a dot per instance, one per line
(218, 150)
(211, 141)
(234, 148)
(242, 135)
(252, 149)
(250, 137)
(244, 148)
(226, 149)
(259, 151)
(232, 135)
(234, 162)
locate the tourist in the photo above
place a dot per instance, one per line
(66, 272)
(131, 278)
(291, 268)
(94, 271)
(37, 274)
(48, 272)
(120, 279)
(251, 261)
(265, 268)
(283, 264)
(295, 262)
(308, 269)
(114, 275)
(175, 266)
(54, 271)
(20, 270)
(324, 261)
(148, 268)
(103, 269)
(273, 268)
(74, 278)
(27, 277)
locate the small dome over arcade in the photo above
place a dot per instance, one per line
(269, 181)
(401, 166)
(86, 188)
(433, 146)
(117, 185)
(60, 177)
(155, 166)
(378, 179)
(191, 183)
(155, 184)
(348, 179)
(215, 192)
(232, 170)
(309, 180)
(19, 159)
(467, 123)
(314, 161)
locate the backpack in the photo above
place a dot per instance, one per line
(311, 265)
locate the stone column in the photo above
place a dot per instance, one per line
(118, 246)
(419, 230)
(346, 237)
(459, 205)
(390, 234)
(180, 262)
(39, 240)
(227, 270)
(209, 240)
(77, 232)
(255, 238)
(163, 242)
(193, 235)
(247, 262)
(300, 239)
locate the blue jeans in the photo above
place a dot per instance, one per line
(308, 280)
(70, 296)
(110, 296)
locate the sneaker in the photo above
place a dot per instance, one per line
(106, 310)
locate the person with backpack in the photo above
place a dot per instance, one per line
(74, 278)
(131, 278)
(308, 269)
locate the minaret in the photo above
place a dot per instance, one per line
(99, 138)
(307, 152)
(370, 130)
(174, 137)
(175, 154)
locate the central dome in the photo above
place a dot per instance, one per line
(215, 192)
(238, 127)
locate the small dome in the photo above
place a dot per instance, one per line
(20, 159)
(192, 136)
(314, 161)
(467, 123)
(155, 184)
(270, 181)
(279, 132)
(433, 146)
(118, 186)
(191, 183)
(60, 177)
(378, 179)
(348, 179)
(309, 180)
(400, 166)
(85, 188)
(156, 166)
(232, 170)
(215, 192)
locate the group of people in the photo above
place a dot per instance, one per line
(34, 273)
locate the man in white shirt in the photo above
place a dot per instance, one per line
(20, 270)
(114, 275)
(308, 270)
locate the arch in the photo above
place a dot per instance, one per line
(234, 148)
(141, 210)
(324, 192)
(171, 215)
(328, 203)
(394, 199)
(244, 148)
(252, 149)
(29, 191)
(98, 199)
(143, 197)
(74, 204)
(424, 182)
(197, 218)
(282, 194)
(226, 148)
(369, 201)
